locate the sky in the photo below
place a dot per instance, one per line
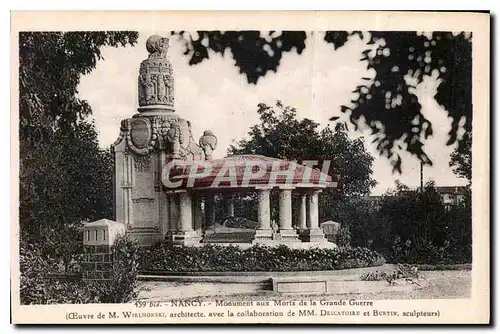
(214, 95)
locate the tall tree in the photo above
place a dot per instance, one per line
(65, 177)
(386, 103)
(461, 158)
(282, 135)
(421, 228)
(50, 67)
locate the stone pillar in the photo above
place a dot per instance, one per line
(185, 235)
(164, 203)
(314, 233)
(228, 206)
(185, 212)
(302, 214)
(285, 207)
(313, 210)
(302, 225)
(197, 214)
(173, 212)
(264, 231)
(209, 210)
(286, 231)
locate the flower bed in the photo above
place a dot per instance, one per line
(216, 258)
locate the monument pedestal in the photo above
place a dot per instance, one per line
(263, 236)
(288, 238)
(314, 235)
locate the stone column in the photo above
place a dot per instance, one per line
(185, 212)
(173, 212)
(314, 233)
(197, 214)
(286, 232)
(185, 234)
(164, 213)
(264, 231)
(302, 218)
(209, 210)
(285, 207)
(313, 210)
(228, 206)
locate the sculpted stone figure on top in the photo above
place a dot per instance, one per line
(156, 77)
(157, 127)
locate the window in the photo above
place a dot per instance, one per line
(104, 235)
(88, 235)
(96, 235)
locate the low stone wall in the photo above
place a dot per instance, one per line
(346, 281)
(300, 285)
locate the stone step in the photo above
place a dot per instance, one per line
(231, 237)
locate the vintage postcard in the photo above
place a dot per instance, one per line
(250, 167)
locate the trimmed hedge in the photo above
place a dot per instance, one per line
(215, 258)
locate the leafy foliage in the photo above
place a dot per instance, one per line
(254, 52)
(65, 178)
(282, 135)
(50, 67)
(461, 158)
(408, 273)
(386, 103)
(401, 61)
(39, 283)
(411, 226)
(61, 184)
(168, 258)
(122, 286)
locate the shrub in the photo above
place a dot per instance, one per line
(212, 258)
(409, 273)
(122, 286)
(34, 269)
(411, 225)
(38, 285)
(344, 237)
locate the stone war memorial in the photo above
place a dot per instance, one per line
(169, 189)
(166, 183)
(178, 168)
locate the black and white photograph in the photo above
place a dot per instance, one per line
(250, 175)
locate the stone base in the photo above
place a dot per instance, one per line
(301, 232)
(288, 236)
(314, 235)
(262, 235)
(185, 238)
(283, 237)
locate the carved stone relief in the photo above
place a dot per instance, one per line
(156, 77)
(142, 163)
